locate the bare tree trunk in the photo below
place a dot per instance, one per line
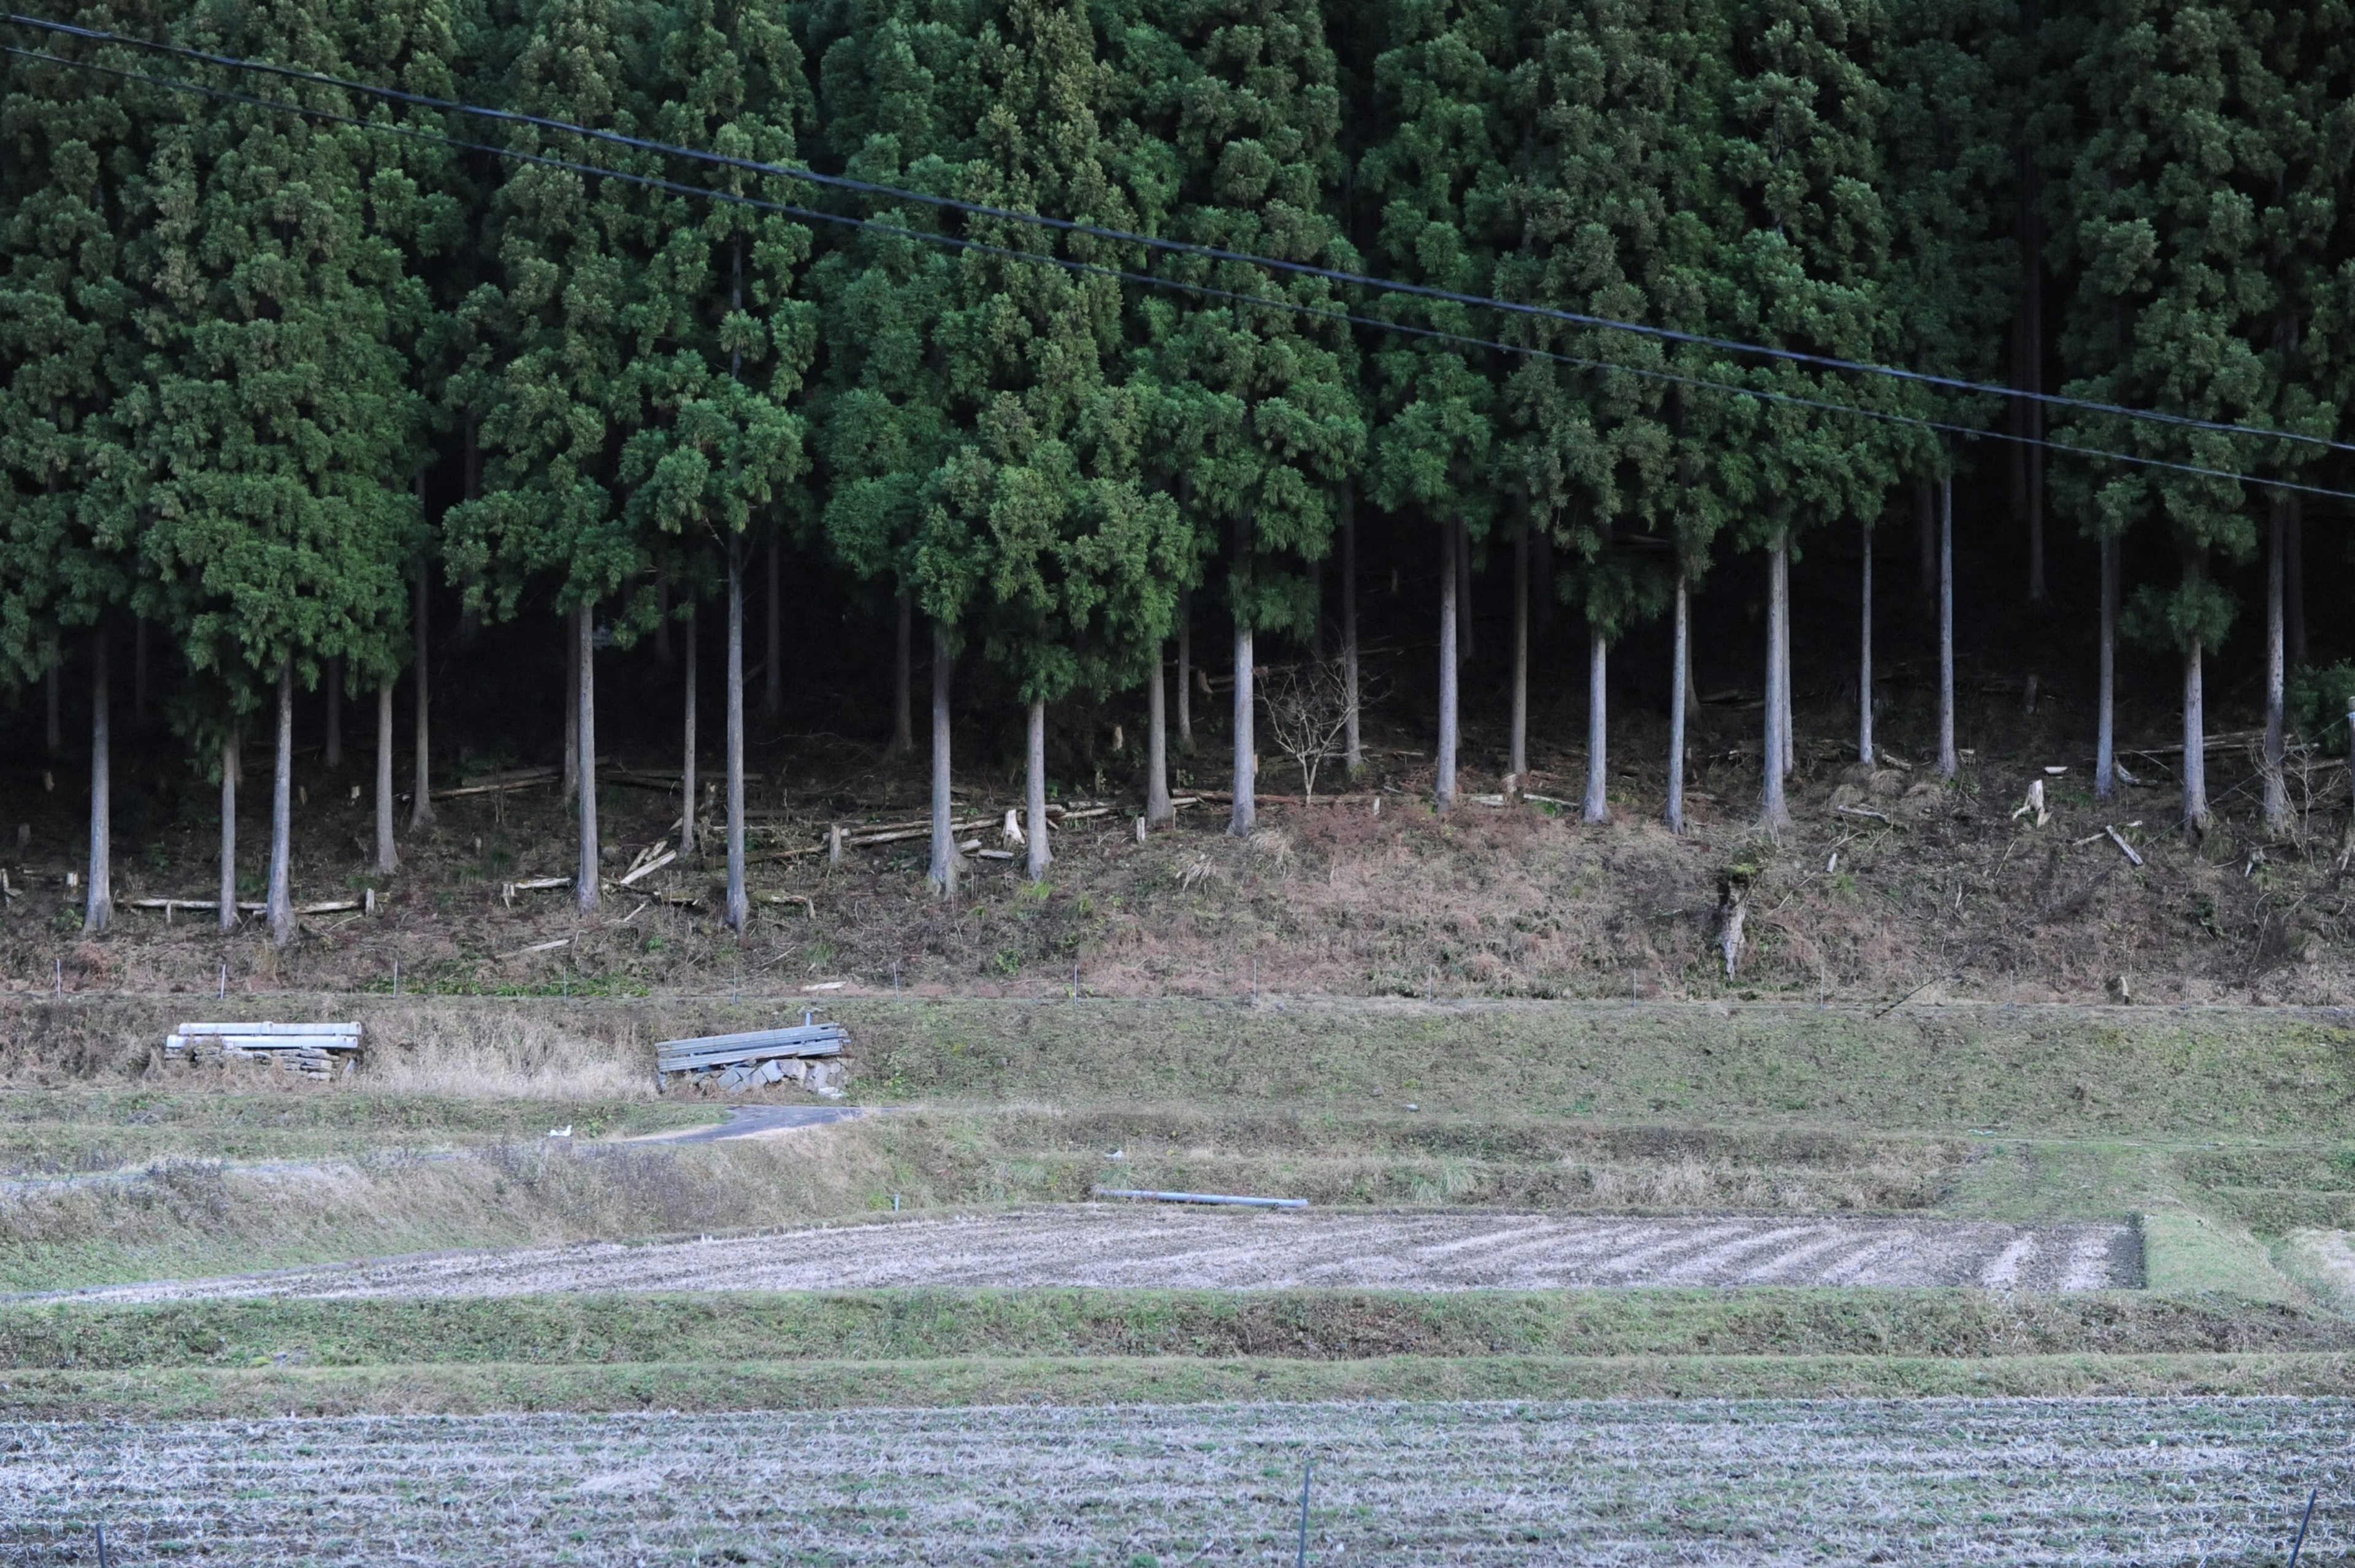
(662, 620)
(1864, 659)
(1462, 591)
(1445, 791)
(903, 722)
(2294, 576)
(1186, 668)
(54, 739)
(2105, 721)
(2196, 817)
(97, 906)
(420, 798)
(944, 873)
(1598, 759)
(1033, 794)
(1926, 529)
(2276, 787)
(1949, 764)
(773, 673)
(387, 860)
(588, 882)
(687, 782)
(2032, 370)
(335, 758)
(1517, 762)
(1679, 680)
(1157, 809)
(740, 906)
(1316, 623)
(231, 744)
(139, 670)
(280, 910)
(1353, 751)
(470, 617)
(1780, 568)
(571, 712)
(1773, 812)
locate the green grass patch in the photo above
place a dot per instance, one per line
(79, 1129)
(195, 1393)
(1318, 1324)
(2187, 1253)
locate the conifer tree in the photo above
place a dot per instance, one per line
(1260, 401)
(1437, 172)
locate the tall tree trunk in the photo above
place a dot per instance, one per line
(1598, 748)
(1925, 532)
(1316, 623)
(54, 738)
(1445, 791)
(1186, 668)
(280, 910)
(571, 712)
(2028, 452)
(2105, 701)
(1679, 681)
(139, 670)
(1245, 815)
(1033, 794)
(588, 880)
(387, 860)
(944, 873)
(740, 904)
(1864, 658)
(1780, 569)
(1353, 750)
(335, 758)
(1462, 591)
(772, 672)
(1949, 764)
(662, 620)
(470, 617)
(421, 798)
(2294, 576)
(1157, 809)
(690, 701)
(2276, 787)
(1773, 810)
(232, 744)
(2196, 817)
(1518, 763)
(903, 718)
(98, 906)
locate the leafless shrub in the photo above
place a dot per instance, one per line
(1307, 711)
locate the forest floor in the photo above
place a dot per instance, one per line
(1888, 883)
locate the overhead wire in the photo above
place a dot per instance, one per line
(1360, 280)
(1149, 280)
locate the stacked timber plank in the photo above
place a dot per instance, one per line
(736, 1062)
(312, 1050)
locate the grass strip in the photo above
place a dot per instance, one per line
(1305, 1326)
(207, 1394)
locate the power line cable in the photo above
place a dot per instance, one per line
(1149, 280)
(983, 209)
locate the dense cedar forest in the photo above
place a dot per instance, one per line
(309, 394)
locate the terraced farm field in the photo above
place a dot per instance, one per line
(1619, 1482)
(1096, 1244)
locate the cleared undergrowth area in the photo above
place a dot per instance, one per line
(2112, 1481)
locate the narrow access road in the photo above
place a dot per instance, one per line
(745, 1121)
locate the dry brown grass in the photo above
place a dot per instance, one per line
(1515, 902)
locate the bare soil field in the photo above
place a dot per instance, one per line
(2209, 1481)
(1128, 1248)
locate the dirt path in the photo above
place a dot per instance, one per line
(1096, 1244)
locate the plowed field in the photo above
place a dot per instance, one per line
(1618, 1482)
(1091, 1244)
